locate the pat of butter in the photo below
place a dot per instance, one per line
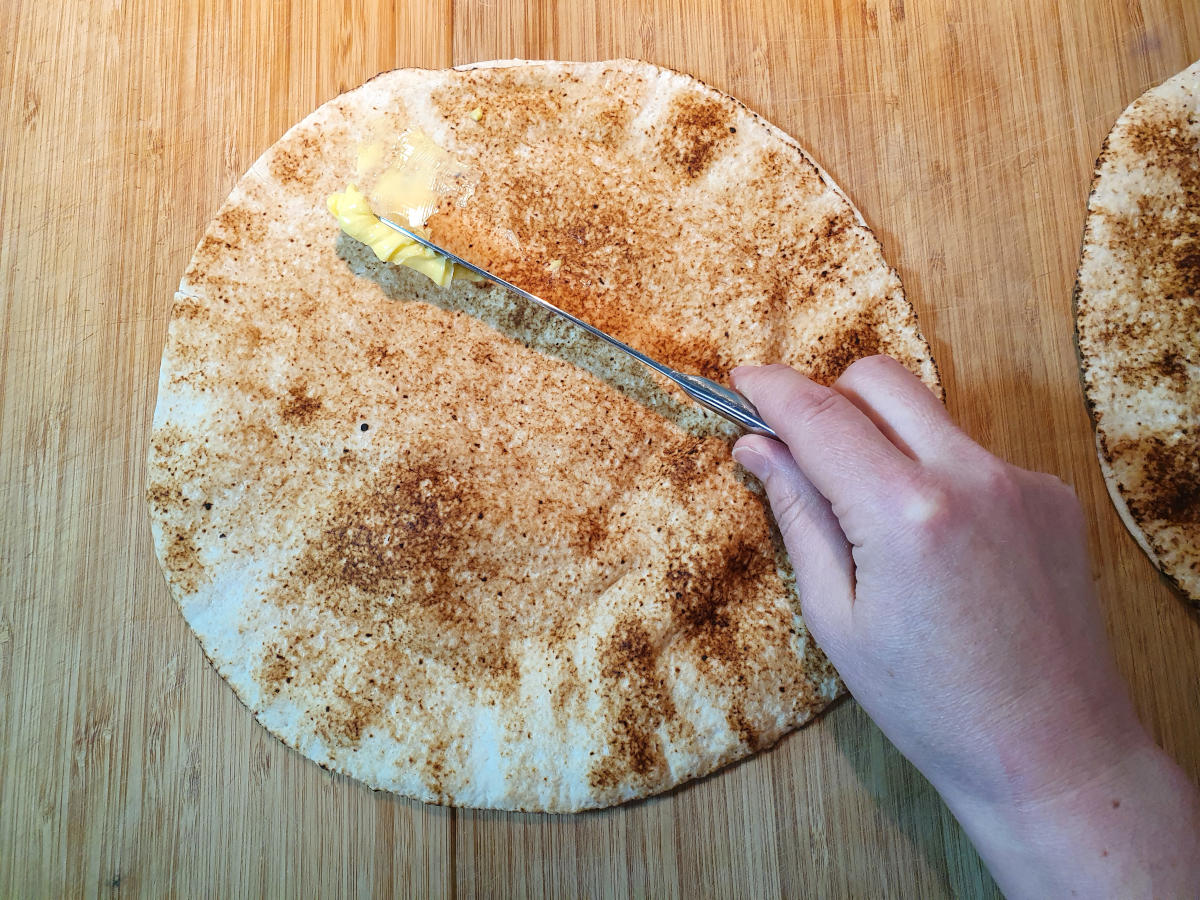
(370, 156)
(407, 177)
(477, 113)
(355, 217)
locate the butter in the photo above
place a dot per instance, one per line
(477, 113)
(412, 186)
(370, 156)
(405, 180)
(355, 217)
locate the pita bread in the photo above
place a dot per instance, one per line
(449, 547)
(1138, 322)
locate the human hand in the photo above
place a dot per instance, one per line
(953, 593)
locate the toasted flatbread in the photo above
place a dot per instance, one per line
(445, 545)
(1138, 322)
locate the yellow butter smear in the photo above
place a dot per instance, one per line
(405, 182)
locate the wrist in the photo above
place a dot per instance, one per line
(1048, 745)
(1127, 825)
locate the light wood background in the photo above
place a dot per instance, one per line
(965, 131)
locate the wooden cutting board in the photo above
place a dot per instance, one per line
(966, 133)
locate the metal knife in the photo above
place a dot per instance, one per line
(716, 397)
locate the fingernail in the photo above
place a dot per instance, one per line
(738, 372)
(752, 461)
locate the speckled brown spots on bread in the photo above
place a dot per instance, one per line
(1138, 322)
(454, 548)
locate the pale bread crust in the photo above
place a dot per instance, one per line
(537, 580)
(1138, 323)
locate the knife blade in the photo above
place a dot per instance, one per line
(716, 397)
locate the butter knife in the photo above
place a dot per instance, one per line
(716, 397)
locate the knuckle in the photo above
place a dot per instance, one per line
(996, 481)
(816, 405)
(1057, 488)
(867, 366)
(793, 506)
(924, 512)
(926, 507)
(790, 511)
(1062, 498)
(1004, 493)
(1073, 511)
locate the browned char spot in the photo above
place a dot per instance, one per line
(1159, 243)
(239, 225)
(855, 341)
(298, 166)
(436, 765)
(163, 496)
(705, 602)
(567, 694)
(1169, 484)
(1164, 135)
(395, 574)
(183, 561)
(710, 601)
(741, 725)
(696, 128)
(510, 104)
(639, 701)
(299, 407)
(346, 718)
(359, 713)
(694, 355)
(689, 463)
(590, 534)
(609, 124)
(679, 463)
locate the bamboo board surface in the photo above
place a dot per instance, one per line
(965, 132)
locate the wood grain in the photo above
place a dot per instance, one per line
(966, 133)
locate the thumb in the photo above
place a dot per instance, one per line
(816, 545)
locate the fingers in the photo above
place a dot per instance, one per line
(901, 407)
(834, 443)
(818, 549)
